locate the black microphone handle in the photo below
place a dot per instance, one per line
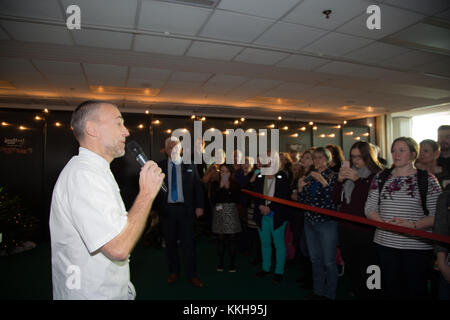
(142, 159)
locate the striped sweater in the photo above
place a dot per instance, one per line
(400, 198)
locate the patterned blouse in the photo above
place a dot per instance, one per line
(314, 194)
(400, 198)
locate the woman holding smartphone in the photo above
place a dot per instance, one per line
(350, 193)
(321, 230)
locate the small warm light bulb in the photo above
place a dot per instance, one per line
(345, 122)
(279, 118)
(285, 128)
(147, 111)
(141, 126)
(370, 125)
(193, 117)
(303, 128)
(5, 124)
(236, 121)
(156, 122)
(272, 126)
(58, 124)
(315, 128)
(262, 133)
(242, 119)
(323, 135)
(295, 135)
(310, 123)
(37, 118)
(168, 131)
(46, 110)
(358, 138)
(365, 134)
(22, 128)
(203, 119)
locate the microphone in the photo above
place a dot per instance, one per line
(135, 149)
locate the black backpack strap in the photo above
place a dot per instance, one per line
(382, 178)
(422, 181)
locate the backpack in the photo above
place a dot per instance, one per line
(422, 181)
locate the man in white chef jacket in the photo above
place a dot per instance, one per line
(92, 235)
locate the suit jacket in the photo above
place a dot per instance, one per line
(282, 190)
(193, 191)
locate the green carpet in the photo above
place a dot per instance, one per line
(28, 276)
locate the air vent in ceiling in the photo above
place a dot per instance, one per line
(197, 3)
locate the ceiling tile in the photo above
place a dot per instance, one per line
(336, 44)
(117, 13)
(339, 68)
(428, 7)
(208, 50)
(392, 20)
(107, 75)
(309, 12)
(412, 58)
(302, 62)
(103, 39)
(288, 35)
(261, 8)
(144, 83)
(160, 45)
(260, 56)
(169, 17)
(23, 31)
(11, 66)
(149, 73)
(234, 26)
(59, 68)
(376, 51)
(45, 9)
(190, 76)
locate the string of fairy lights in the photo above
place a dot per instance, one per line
(291, 130)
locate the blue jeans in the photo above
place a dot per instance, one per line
(321, 239)
(265, 233)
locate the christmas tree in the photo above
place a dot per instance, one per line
(17, 225)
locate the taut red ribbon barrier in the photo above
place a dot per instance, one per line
(350, 217)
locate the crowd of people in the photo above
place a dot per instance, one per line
(363, 186)
(92, 233)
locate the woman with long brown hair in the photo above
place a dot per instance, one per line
(350, 193)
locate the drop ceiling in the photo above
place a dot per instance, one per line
(253, 58)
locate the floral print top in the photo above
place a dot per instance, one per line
(400, 198)
(314, 194)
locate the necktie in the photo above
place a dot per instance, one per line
(173, 188)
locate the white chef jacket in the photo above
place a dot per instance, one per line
(87, 211)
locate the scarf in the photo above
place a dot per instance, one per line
(349, 185)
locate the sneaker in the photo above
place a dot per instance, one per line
(219, 268)
(277, 278)
(262, 274)
(341, 270)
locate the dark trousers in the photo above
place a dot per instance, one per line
(405, 273)
(359, 252)
(178, 223)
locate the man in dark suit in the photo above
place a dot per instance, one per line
(178, 207)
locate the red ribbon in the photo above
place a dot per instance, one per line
(350, 217)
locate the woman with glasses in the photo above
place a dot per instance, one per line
(350, 193)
